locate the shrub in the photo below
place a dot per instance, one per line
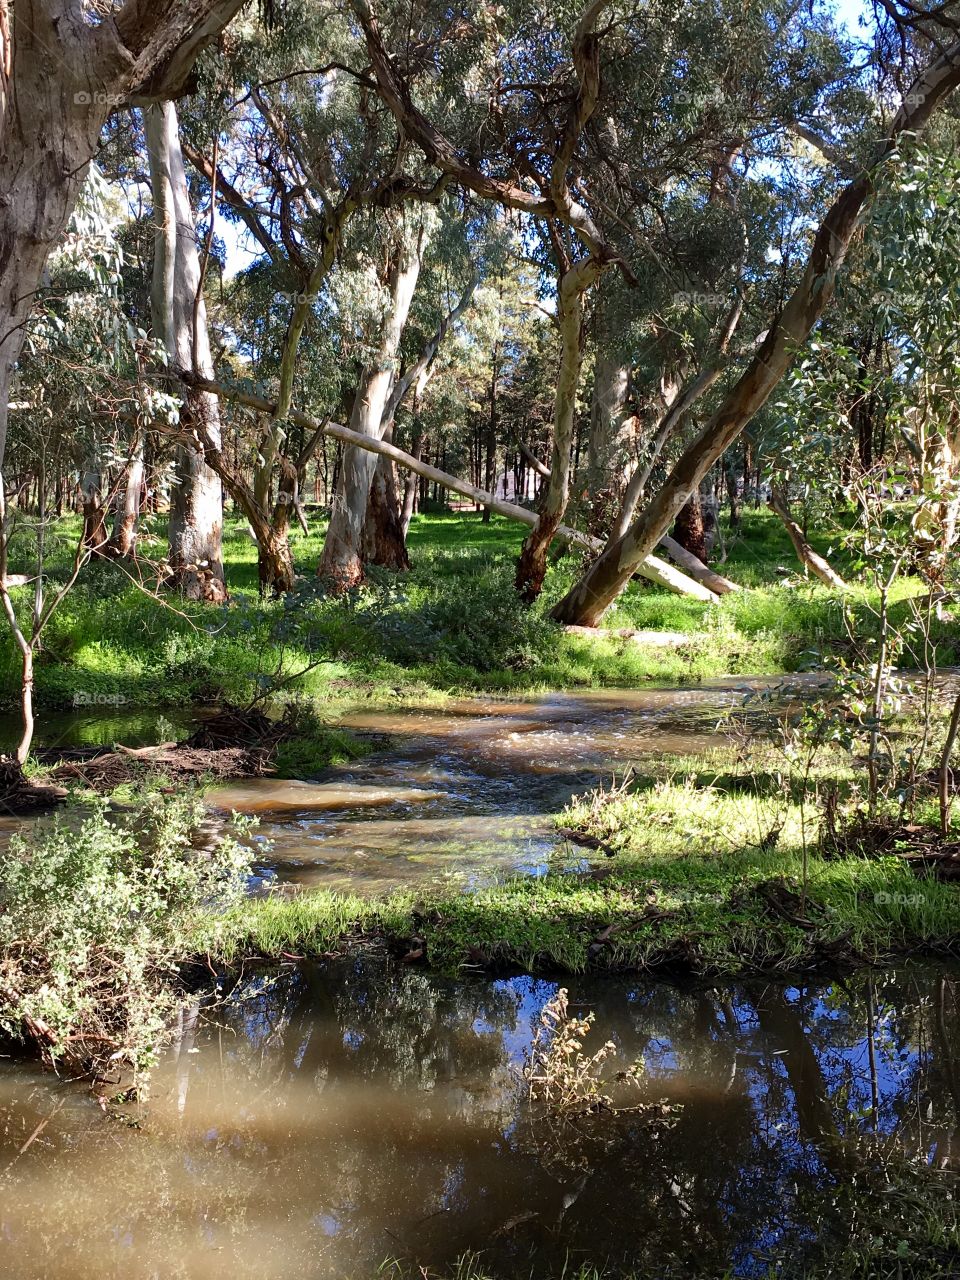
(96, 910)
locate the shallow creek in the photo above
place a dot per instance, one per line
(469, 790)
(341, 1115)
(353, 1113)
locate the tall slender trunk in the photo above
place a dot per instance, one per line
(341, 563)
(196, 508)
(606, 446)
(124, 540)
(532, 565)
(411, 487)
(94, 509)
(489, 472)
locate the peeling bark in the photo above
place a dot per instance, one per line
(196, 510)
(60, 78)
(341, 563)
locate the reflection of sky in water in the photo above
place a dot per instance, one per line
(373, 1111)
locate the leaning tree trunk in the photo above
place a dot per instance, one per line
(590, 598)
(180, 322)
(341, 563)
(811, 560)
(532, 565)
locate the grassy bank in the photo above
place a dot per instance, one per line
(451, 625)
(734, 861)
(714, 912)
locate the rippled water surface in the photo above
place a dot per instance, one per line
(470, 790)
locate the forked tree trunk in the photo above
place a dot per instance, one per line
(341, 563)
(532, 565)
(196, 508)
(587, 602)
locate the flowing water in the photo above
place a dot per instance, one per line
(354, 1113)
(469, 791)
(346, 1114)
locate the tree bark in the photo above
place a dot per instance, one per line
(587, 602)
(810, 559)
(196, 510)
(124, 541)
(94, 537)
(688, 529)
(532, 565)
(410, 485)
(60, 78)
(607, 456)
(384, 537)
(341, 563)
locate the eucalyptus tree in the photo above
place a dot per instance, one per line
(301, 156)
(65, 65)
(589, 599)
(180, 324)
(602, 127)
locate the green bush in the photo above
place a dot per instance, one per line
(96, 909)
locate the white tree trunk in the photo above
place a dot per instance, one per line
(196, 511)
(342, 560)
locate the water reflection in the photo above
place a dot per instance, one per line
(352, 1113)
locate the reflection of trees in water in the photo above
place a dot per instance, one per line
(348, 1114)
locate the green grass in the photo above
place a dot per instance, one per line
(451, 625)
(706, 877)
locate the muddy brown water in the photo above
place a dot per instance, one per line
(469, 791)
(353, 1113)
(342, 1115)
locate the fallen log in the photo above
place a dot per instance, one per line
(809, 558)
(653, 568)
(695, 568)
(654, 639)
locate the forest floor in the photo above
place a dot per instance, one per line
(452, 625)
